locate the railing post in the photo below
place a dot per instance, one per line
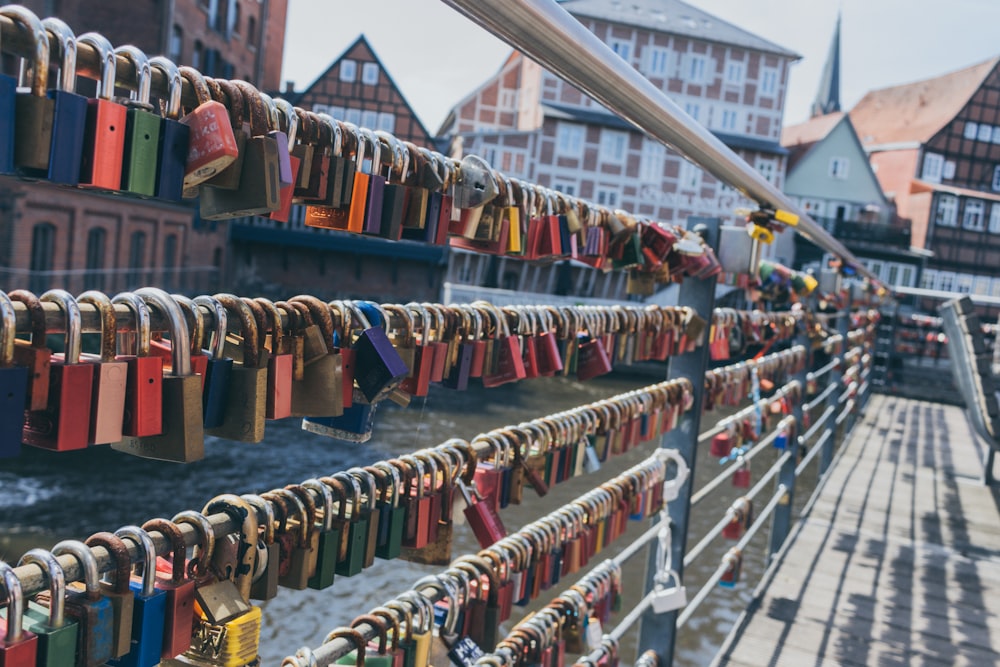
(658, 630)
(781, 521)
(836, 377)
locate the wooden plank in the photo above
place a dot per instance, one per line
(899, 559)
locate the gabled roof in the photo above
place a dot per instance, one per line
(915, 112)
(675, 17)
(798, 139)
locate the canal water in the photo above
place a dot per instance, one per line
(46, 497)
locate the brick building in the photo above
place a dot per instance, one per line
(935, 147)
(530, 124)
(357, 88)
(53, 236)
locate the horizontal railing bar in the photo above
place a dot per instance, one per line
(819, 423)
(727, 472)
(848, 408)
(823, 370)
(809, 405)
(938, 294)
(811, 454)
(749, 410)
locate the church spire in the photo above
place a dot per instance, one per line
(828, 96)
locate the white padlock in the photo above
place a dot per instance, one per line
(669, 599)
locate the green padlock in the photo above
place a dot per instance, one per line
(57, 636)
(142, 130)
(329, 537)
(392, 514)
(356, 657)
(355, 533)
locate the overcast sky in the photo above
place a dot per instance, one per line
(437, 56)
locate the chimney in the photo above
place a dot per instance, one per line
(289, 87)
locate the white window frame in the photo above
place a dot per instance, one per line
(367, 76)
(948, 172)
(933, 166)
(566, 186)
(963, 283)
(353, 116)
(839, 167)
(996, 135)
(508, 99)
(657, 61)
(971, 130)
(996, 178)
(608, 196)
(570, 138)
(995, 287)
(929, 279)
(348, 70)
(906, 276)
(387, 122)
(735, 72)
(768, 168)
(321, 108)
(695, 67)
(769, 81)
(946, 211)
(814, 207)
(623, 48)
(945, 281)
(651, 161)
(985, 132)
(692, 109)
(688, 176)
(369, 119)
(973, 215)
(981, 286)
(994, 224)
(614, 146)
(729, 119)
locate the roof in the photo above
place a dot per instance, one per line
(798, 139)
(605, 119)
(915, 112)
(675, 17)
(918, 186)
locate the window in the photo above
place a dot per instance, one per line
(387, 122)
(339, 113)
(838, 167)
(369, 74)
(995, 218)
(972, 217)
(196, 54)
(614, 145)
(43, 239)
(657, 59)
(970, 130)
(892, 274)
(369, 119)
(949, 170)
(96, 242)
(933, 166)
(963, 284)
(814, 207)
(981, 286)
(945, 281)
(996, 178)
(569, 140)
(929, 279)
(176, 43)
(907, 279)
(651, 161)
(353, 116)
(946, 214)
(729, 120)
(508, 99)
(768, 168)
(607, 197)
(565, 187)
(512, 162)
(985, 132)
(233, 20)
(689, 177)
(875, 267)
(734, 73)
(348, 70)
(695, 71)
(623, 49)
(320, 108)
(169, 262)
(692, 109)
(768, 81)
(136, 258)
(996, 135)
(252, 31)
(995, 288)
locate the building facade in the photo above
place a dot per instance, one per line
(935, 147)
(532, 125)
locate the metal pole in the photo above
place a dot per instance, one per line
(657, 631)
(547, 33)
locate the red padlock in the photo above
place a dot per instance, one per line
(212, 145)
(144, 384)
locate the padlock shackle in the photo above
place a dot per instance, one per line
(8, 330)
(118, 552)
(108, 62)
(180, 348)
(265, 514)
(15, 604)
(143, 74)
(178, 548)
(248, 325)
(324, 492)
(63, 36)
(147, 555)
(74, 322)
(199, 567)
(175, 85)
(143, 328)
(87, 563)
(40, 41)
(109, 322)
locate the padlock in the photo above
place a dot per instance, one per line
(117, 592)
(107, 408)
(354, 534)
(13, 383)
(316, 183)
(380, 657)
(178, 587)
(215, 384)
(35, 356)
(144, 381)
(331, 212)
(369, 512)
(482, 517)
(394, 630)
(91, 610)
(259, 189)
(241, 567)
(69, 118)
(462, 368)
(34, 108)
(175, 136)
(394, 192)
(104, 140)
(57, 427)
(305, 555)
(305, 148)
(196, 331)
(142, 129)
(415, 501)
(18, 647)
(57, 635)
(266, 563)
(246, 397)
(226, 629)
(378, 368)
(403, 615)
(327, 538)
(741, 476)
(507, 364)
(212, 145)
(182, 439)
(358, 655)
(149, 605)
(592, 360)
(288, 165)
(278, 383)
(320, 392)
(733, 560)
(8, 105)
(392, 514)
(722, 445)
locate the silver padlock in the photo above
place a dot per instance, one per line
(475, 186)
(669, 599)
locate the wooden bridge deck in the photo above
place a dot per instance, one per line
(898, 561)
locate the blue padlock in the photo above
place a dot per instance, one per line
(8, 95)
(174, 135)
(149, 613)
(216, 385)
(69, 119)
(355, 425)
(13, 384)
(91, 609)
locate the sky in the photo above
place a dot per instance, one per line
(436, 56)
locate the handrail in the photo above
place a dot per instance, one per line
(550, 35)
